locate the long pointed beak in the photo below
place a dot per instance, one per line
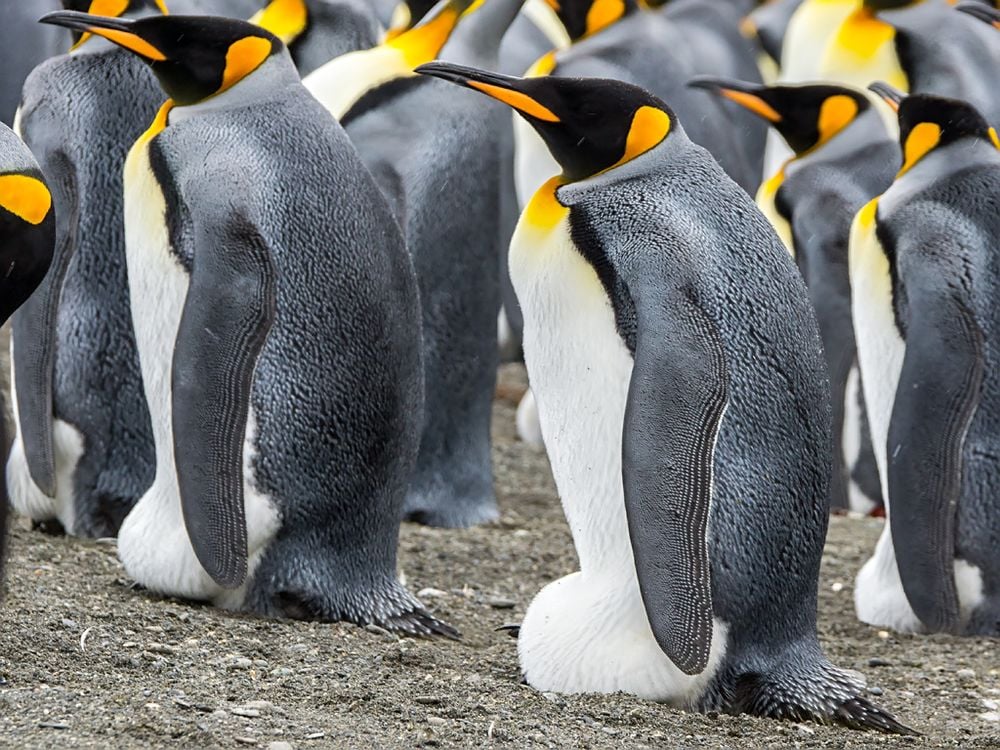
(984, 13)
(116, 30)
(506, 89)
(747, 95)
(892, 96)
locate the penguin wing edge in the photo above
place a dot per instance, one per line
(227, 314)
(936, 399)
(677, 396)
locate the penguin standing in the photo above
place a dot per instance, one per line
(276, 319)
(83, 453)
(683, 396)
(925, 278)
(317, 31)
(449, 210)
(843, 158)
(27, 237)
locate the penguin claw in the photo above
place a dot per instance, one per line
(421, 623)
(513, 629)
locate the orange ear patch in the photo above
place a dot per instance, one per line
(649, 127)
(921, 141)
(286, 19)
(243, 58)
(835, 114)
(517, 100)
(25, 197)
(603, 13)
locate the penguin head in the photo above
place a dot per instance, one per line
(585, 17)
(27, 236)
(111, 9)
(928, 122)
(194, 57)
(980, 10)
(806, 116)
(589, 124)
(286, 19)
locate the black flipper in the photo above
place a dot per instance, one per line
(33, 328)
(936, 398)
(676, 399)
(229, 309)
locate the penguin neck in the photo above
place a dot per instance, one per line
(276, 73)
(476, 40)
(966, 154)
(864, 130)
(639, 166)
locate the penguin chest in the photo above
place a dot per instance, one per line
(579, 369)
(880, 346)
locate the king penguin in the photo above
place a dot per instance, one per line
(449, 211)
(317, 31)
(276, 318)
(843, 158)
(768, 24)
(683, 397)
(925, 281)
(83, 451)
(27, 240)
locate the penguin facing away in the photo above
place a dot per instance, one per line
(317, 31)
(27, 239)
(843, 157)
(924, 281)
(285, 406)
(83, 453)
(669, 337)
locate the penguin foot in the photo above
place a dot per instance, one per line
(451, 507)
(419, 622)
(453, 518)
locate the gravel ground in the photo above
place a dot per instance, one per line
(87, 661)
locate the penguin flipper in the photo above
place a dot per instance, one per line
(677, 395)
(227, 314)
(936, 399)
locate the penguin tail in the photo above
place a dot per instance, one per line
(809, 690)
(419, 622)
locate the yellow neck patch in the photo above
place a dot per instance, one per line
(542, 66)
(544, 211)
(159, 123)
(835, 114)
(25, 197)
(863, 34)
(754, 103)
(243, 58)
(866, 216)
(995, 138)
(517, 100)
(649, 127)
(603, 13)
(422, 43)
(286, 19)
(921, 141)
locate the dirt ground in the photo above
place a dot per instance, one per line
(86, 661)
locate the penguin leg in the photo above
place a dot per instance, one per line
(936, 399)
(227, 314)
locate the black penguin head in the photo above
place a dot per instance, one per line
(194, 57)
(806, 116)
(982, 11)
(873, 6)
(286, 19)
(111, 9)
(585, 17)
(928, 122)
(27, 236)
(589, 124)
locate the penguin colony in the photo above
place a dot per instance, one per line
(255, 270)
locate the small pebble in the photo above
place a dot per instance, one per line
(240, 662)
(71, 624)
(883, 634)
(246, 713)
(966, 674)
(875, 690)
(837, 587)
(429, 700)
(262, 706)
(990, 704)
(245, 740)
(498, 602)
(436, 721)
(53, 725)
(803, 729)
(161, 648)
(990, 716)
(316, 736)
(877, 662)
(430, 593)
(279, 746)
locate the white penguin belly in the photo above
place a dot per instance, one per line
(587, 632)
(851, 441)
(153, 543)
(25, 496)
